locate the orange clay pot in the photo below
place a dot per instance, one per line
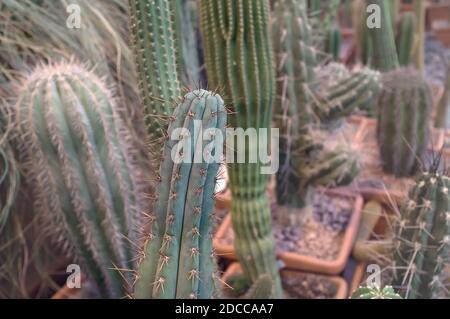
(341, 284)
(302, 262)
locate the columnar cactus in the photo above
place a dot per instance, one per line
(239, 59)
(81, 168)
(404, 108)
(154, 42)
(375, 293)
(177, 260)
(406, 38)
(422, 237)
(383, 41)
(188, 40)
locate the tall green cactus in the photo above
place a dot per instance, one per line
(405, 38)
(188, 40)
(79, 162)
(178, 261)
(422, 237)
(239, 59)
(383, 41)
(404, 110)
(154, 42)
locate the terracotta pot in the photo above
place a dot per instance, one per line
(442, 33)
(437, 13)
(389, 196)
(358, 276)
(299, 261)
(341, 284)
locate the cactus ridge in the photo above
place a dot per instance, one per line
(178, 259)
(422, 238)
(77, 155)
(404, 108)
(154, 40)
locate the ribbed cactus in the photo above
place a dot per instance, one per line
(177, 260)
(383, 40)
(239, 59)
(404, 110)
(405, 38)
(295, 63)
(375, 293)
(81, 168)
(422, 237)
(154, 41)
(189, 42)
(333, 42)
(358, 90)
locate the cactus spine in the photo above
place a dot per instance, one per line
(80, 165)
(423, 238)
(404, 109)
(383, 40)
(154, 42)
(239, 59)
(178, 261)
(375, 293)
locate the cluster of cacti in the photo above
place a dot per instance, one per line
(178, 260)
(375, 292)
(77, 156)
(239, 59)
(188, 41)
(404, 110)
(154, 41)
(422, 238)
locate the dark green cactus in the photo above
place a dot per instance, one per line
(404, 110)
(80, 165)
(405, 38)
(239, 59)
(375, 293)
(358, 90)
(422, 238)
(333, 42)
(154, 41)
(383, 40)
(177, 260)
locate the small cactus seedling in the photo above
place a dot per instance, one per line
(178, 260)
(422, 238)
(78, 159)
(375, 293)
(404, 110)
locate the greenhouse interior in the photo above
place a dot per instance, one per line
(224, 149)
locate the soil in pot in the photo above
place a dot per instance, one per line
(321, 237)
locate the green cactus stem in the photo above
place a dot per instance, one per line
(404, 110)
(383, 39)
(78, 159)
(178, 260)
(154, 40)
(422, 238)
(406, 38)
(239, 59)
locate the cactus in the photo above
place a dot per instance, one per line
(419, 54)
(261, 289)
(239, 59)
(154, 42)
(422, 238)
(188, 41)
(383, 42)
(406, 38)
(177, 260)
(333, 42)
(375, 293)
(441, 118)
(359, 90)
(78, 160)
(404, 108)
